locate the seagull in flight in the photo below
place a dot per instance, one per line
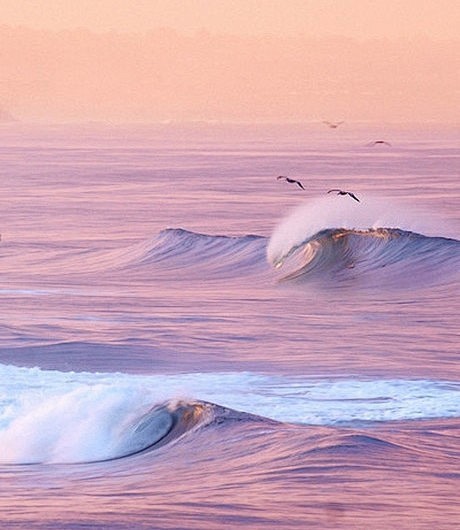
(379, 142)
(333, 124)
(341, 192)
(291, 181)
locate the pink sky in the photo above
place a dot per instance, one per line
(251, 60)
(438, 19)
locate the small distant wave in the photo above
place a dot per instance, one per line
(353, 442)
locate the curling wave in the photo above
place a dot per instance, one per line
(167, 422)
(162, 424)
(81, 417)
(341, 241)
(381, 253)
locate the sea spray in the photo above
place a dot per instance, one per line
(335, 212)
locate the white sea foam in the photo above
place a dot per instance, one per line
(51, 416)
(335, 211)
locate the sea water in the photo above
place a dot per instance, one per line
(188, 342)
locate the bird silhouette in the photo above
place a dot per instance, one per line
(341, 192)
(291, 181)
(379, 142)
(333, 124)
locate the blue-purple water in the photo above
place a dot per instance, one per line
(188, 342)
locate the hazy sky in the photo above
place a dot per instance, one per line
(356, 18)
(257, 60)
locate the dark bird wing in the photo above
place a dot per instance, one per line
(378, 142)
(353, 196)
(299, 184)
(338, 191)
(291, 181)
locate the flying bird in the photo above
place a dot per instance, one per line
(333, 124)
(291, 181)
(341, 192)
(379, 142)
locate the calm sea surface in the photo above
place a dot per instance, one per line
(188, 342)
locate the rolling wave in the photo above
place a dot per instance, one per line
(167, 422)
(375, 242)
(171, 249)
(178, 248)
(80, 417)
(383, 254)
(161, 425)
(379, 256)
(376, 255)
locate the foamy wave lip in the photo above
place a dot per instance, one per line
(335, 211)
(51, 416)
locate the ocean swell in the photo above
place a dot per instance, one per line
(176, 247)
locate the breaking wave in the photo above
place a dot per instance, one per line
(344, 252)
(80, 417)
(382, 254)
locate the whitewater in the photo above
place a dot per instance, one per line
(187, 341)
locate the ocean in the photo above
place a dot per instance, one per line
(188, 342)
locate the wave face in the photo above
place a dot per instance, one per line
(379, 255)
(172, 249)
(76, 417)
(176, 247)
(386, 255)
